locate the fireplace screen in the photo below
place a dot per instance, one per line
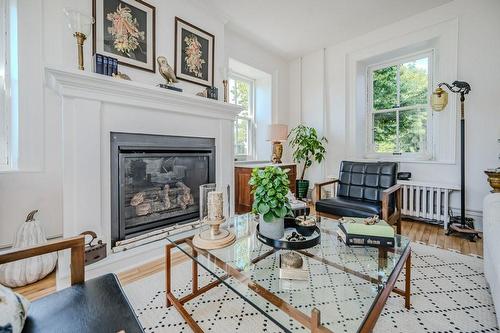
(160, 186)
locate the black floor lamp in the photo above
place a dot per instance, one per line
(439, 100)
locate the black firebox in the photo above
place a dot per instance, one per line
(155, 181)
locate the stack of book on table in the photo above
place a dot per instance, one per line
(354, 231)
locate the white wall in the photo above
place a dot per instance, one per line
(45, 40)
(478, 54)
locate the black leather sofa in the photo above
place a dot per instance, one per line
(96, 305)
(363, 189)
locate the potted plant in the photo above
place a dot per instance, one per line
(307, 148)
(270, 187)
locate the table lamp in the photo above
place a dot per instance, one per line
(79, 24)
(277, 133)
(439, 100)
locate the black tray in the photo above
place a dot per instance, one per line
(296, 245)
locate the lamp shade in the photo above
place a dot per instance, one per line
(439, 99)
(277, 132)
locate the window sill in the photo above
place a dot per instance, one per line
(402, 159)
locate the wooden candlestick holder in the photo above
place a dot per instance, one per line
(214, 238)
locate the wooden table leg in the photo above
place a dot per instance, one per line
(315, 320)
(194, 269)
(408, 281)
(168, 273)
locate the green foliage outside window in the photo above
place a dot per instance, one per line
(400, 130)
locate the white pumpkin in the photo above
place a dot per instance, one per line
(22, 272)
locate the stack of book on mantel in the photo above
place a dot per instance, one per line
(355, 231)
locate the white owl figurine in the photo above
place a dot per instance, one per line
(165, 70)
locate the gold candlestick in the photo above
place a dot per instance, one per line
(80, 39)
(226, 91)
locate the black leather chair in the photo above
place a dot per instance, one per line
(362, 190)
(96, 305)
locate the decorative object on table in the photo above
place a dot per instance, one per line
(204, 190)
(439, 100)
(125, 29)
(213, 93)
(308, 148)
(122, 76)
(277, 133)
(404, 175)
(105, 65)
(295, 236)
(270, 187)
(79, 24)
(23, 272)
(214, 237)
(194, 54)
(366, 231)
(14, 310)
(291, 266)
(494, 179)
(93, 252)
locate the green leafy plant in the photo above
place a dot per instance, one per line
(270, 187)
(307, 147)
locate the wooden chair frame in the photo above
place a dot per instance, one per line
(393, 219)
(76, 244)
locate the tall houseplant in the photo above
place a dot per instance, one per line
(307, 148)
(270, 187)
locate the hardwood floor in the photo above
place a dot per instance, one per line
(416, 231)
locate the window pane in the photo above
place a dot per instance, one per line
(385, 132)
(232, 91)
(413, 130)
(241, 137)
(414, 82)
(385, 88)
(243, 89)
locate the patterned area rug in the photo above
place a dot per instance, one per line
(449, 294)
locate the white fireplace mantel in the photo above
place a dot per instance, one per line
(92, 107)
(92, 86)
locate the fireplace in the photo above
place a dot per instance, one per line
(155, 181)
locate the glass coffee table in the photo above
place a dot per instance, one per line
(346, 290)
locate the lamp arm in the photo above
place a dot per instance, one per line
(461, 87)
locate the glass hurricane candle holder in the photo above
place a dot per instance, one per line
(79, 24)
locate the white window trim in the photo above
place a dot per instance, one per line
(4, 89)
(425, 155)
(251, 118)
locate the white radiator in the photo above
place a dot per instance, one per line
(429, 201)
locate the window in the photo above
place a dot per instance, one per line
(8, 83)
(3, 88)
(399, 115)
(241, 92)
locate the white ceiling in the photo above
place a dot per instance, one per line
(296, 27)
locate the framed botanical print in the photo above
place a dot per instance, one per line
(194, 54)
(125, 29)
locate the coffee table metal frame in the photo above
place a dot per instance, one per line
(312, 322)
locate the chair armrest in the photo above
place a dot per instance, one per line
(76, 244)
(319, 185)
(391, 190)
(396, 189)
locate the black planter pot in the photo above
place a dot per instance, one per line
(302, 187)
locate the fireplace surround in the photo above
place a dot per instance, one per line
(155, 181)
(93, 107)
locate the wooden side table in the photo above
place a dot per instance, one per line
(243, 199)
